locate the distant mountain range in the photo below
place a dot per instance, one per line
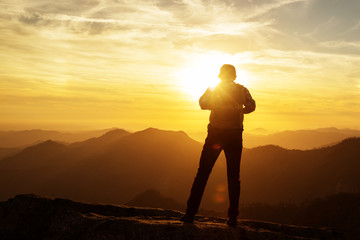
(301, 139)
(6, 152)
(20, 139)
(298, 139)
(112, 168)
(118, 165)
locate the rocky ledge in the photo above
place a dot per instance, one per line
(33, 217)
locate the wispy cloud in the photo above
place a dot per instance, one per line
(341, 44)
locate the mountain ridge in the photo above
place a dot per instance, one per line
(25, 138)
(129, 164)
(304, 139)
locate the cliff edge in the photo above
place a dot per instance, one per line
(34, 217)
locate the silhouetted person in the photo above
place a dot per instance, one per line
(228, 103)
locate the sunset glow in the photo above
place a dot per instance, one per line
(73, 65)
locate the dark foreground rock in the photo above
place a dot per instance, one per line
(33, 217)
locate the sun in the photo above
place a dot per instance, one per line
(202, 73)
(195, 79)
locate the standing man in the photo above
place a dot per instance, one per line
(228, 103)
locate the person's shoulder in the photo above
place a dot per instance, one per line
(241, 87)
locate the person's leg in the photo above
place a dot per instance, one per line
(233, 152)
(209, 154)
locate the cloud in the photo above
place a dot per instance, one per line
(86, 48)
(28, 18)
(69, 7)
(341, 44)
(318, 20)
(228, 26)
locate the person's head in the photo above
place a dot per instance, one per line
(227, 73)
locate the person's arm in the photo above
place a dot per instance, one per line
(205, 100)
(250, 104)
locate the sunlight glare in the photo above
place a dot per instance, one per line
(202, 72)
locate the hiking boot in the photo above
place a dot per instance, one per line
(187, 218)
(231, 221)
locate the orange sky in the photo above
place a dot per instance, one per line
(94, 64)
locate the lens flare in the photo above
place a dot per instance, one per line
(219, 197)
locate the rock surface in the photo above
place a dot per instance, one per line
(33, 217)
